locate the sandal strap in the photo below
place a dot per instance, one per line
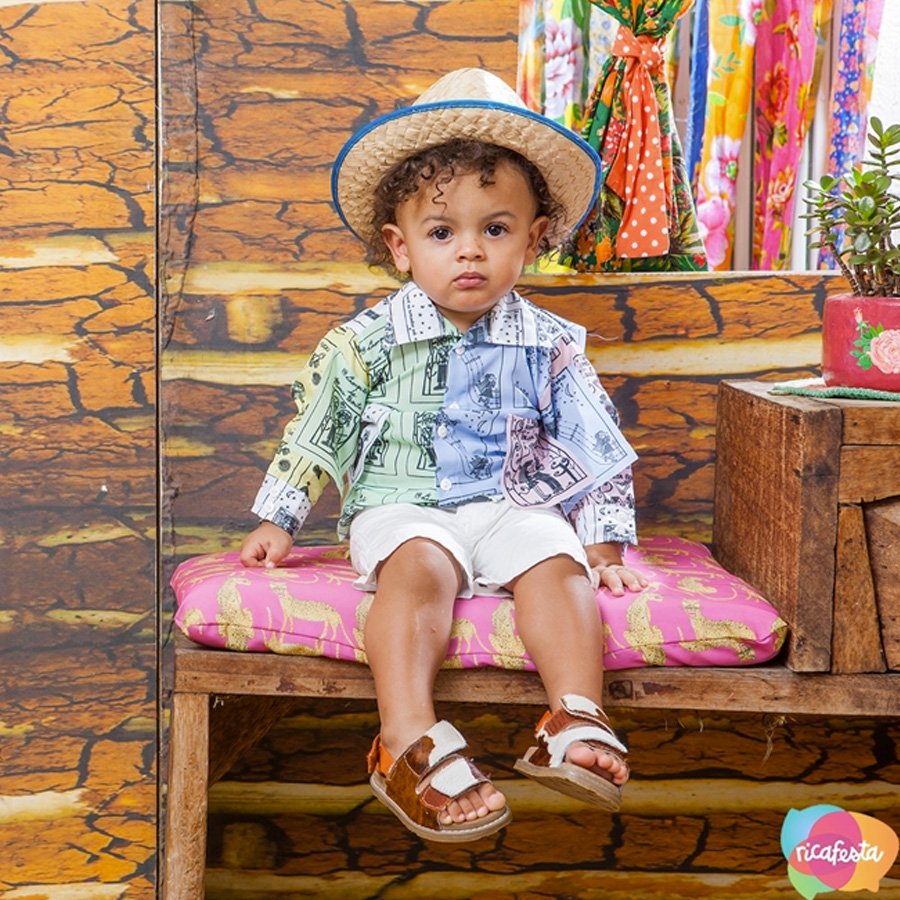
(577, 719)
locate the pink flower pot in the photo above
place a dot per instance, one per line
(861, 342)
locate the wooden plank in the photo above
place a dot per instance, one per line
(187, 801)
(869, 421)
(775, 519)
(563, 880)
(883, 531)
(869, 473)
(856, 639)
(755, 688)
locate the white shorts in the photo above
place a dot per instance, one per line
(493, 542)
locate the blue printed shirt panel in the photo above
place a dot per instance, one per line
(401, 407)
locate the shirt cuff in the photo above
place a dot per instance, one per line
(282, 504)
(601, 524)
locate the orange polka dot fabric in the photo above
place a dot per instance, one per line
(637, 174)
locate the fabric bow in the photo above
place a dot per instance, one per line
(637, 173)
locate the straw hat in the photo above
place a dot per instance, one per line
(471, 104)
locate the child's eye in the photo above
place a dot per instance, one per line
(440, 233)
(495, 229)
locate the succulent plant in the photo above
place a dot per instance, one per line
(857, 216)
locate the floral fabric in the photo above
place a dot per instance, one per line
(785, 62)
(851, 91)
(643, 218)
(728, 90)
(554, 54)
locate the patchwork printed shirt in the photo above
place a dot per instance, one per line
(398, 406)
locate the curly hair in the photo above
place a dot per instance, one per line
(438, 166)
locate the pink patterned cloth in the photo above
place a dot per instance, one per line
(785, 65)
(693, 613)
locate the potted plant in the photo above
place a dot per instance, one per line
(856, 217)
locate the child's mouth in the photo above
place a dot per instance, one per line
(469, 280)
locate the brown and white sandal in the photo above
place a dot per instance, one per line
(578, 719)
(419, 785)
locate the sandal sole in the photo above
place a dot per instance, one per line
(574, 781)
(448, 834)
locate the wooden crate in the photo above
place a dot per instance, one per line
(807, 509)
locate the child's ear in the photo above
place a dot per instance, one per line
(537, 230)
(395, 242)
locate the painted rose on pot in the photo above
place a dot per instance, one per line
(856, 353)
(884, 351)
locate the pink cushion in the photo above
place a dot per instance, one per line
(694, 613)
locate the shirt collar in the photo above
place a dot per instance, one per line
(413, 317)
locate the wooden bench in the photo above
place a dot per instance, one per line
(223, 702)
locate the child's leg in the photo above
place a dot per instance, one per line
(559, 623)
(407, 634)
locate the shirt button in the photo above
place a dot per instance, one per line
(442, 431)
(446, 484)
(459, 350)
(454, 405)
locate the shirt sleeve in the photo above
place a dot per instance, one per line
(320, 441)
(604, 512)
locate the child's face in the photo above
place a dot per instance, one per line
(466, 245)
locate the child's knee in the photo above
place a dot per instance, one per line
(422, 564)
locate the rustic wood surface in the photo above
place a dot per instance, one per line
(869, 421)
(755, 688)
(869, 473)
(186, 821)
(776, 508)
(856, 636)
(883, 530)
(78, 729)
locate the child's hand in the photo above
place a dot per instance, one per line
(266, 546)
(607, 570)
(618, 579)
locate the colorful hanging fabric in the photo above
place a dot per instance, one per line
(851, 91)
(693, 141)
(644, 215)
(530, 70)
(823, 41)
(728, 90)
(785, 57)
(674, 50)
(600, 43)
(566, 35)
(554, 48)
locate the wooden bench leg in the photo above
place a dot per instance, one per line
(187, 800)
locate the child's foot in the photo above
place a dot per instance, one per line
(475, 804)
(436, 792)
(578, 754)
(479, 801)
(599, 761)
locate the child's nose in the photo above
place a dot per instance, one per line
(471, 247)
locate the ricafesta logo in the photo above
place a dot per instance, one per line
(828, 849)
